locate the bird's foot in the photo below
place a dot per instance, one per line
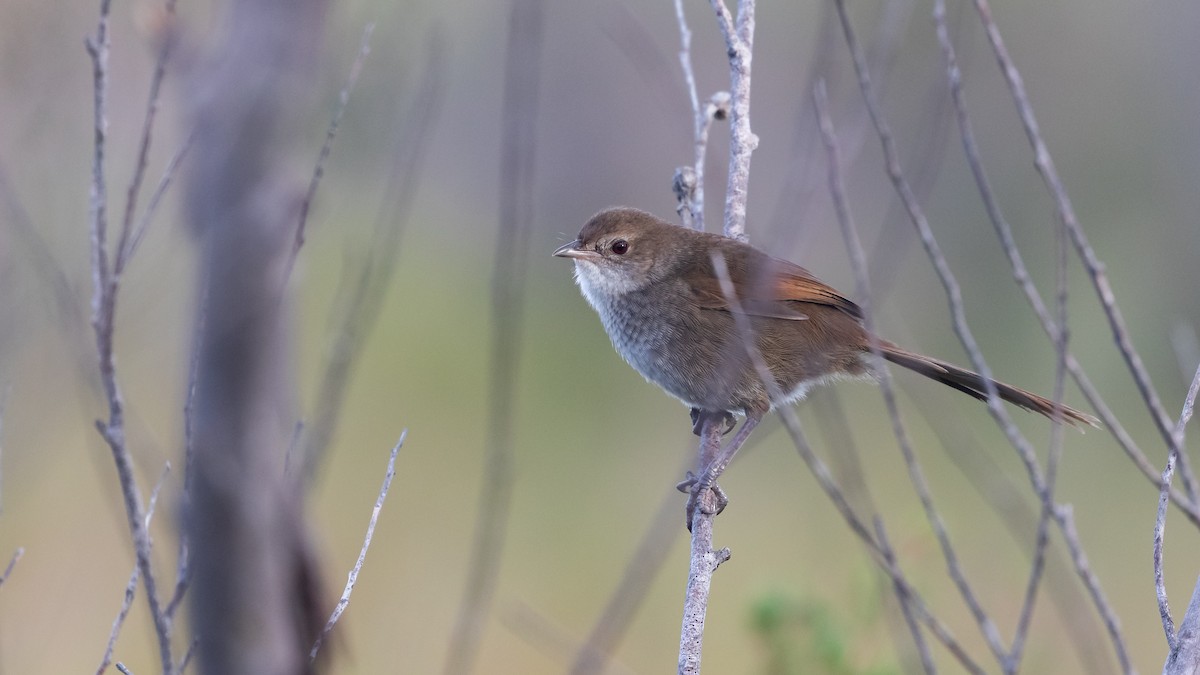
(698, 420)
(711, 500)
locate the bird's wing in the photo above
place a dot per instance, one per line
(771, 288)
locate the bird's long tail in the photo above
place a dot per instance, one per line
(973, 384)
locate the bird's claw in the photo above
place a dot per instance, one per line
(711, 501)
(698, 421)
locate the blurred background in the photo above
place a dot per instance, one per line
(597, 449)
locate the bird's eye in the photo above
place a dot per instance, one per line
(619, 247)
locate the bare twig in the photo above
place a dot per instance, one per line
(739, 39)
(1160, 522)
(365, 282)
(105, 279)
(143, 224)
(351, 578)
(1021, 274)
(131, 587)
(1184, 658)
(124, 244)
(902, 596)
(689, 186)
(1096, 271)
(517, 156)
(327, 147)
(124, 669)
(916, 474)
(1054, 456)
(828, 485)
(12, 562)
(1062, 515)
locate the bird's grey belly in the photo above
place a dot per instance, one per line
(664, 348)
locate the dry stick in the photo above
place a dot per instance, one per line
(131, 587)
(517, 154)
(327, 147)
(689, 186)
(352, 577)
(183, 557)
(1053, 458)
(902, 596)
(1066, 212)
(362, 287)
(739, 40)
(1160, 522)
(187, 657)
(648, 558)
(124, 248)
(1185, 659)
(825, 478)
(1062, 515)
(704, 561)
(1021, 274)
(104, 296)
(12, 562)
(139, 231)
(859, 264)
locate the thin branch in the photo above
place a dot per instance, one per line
(104, 295)
(131, 587)
(327, 147)
(124, 243)
(689, 185)
(1160, 522)
(1053, 458)
(920, 484)
(1062, 515)
(365, 282)
(1096, 271)
(704, 560)
(902, 596)
(1185, 656)
(143, 224)
(739, 40)
(12, 562)
(517, 158)
(1021, 273)
(351, 578)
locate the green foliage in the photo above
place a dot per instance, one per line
(806, 635)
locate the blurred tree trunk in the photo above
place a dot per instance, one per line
(253, 593)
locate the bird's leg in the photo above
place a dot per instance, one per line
(702, 487)
(698, 420)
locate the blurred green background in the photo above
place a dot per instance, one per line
(597, 449)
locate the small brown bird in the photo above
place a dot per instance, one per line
(656, 290)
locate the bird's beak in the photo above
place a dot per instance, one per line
(572, 250)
